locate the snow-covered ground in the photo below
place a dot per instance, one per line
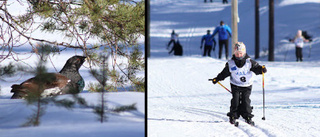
(183, 103)
(78, 122)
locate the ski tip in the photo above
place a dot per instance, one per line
(236, 124)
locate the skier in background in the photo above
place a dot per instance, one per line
(240, 68)
(299, 42)
(177, 49)
(224, 34)
(208, 43)
(174, 38)
(206, 1)
(224, 1)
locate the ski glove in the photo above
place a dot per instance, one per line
(264, 69)
(215, 81)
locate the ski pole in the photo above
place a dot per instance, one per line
(221, 85)
(309, 51)
(214, 53)
(263, 118)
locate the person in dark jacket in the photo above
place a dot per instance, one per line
(208, 43)
(224, 34)
(225, 1)
(177, 49)
(240, 68)
(173, 39)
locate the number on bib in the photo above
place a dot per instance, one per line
(243, 79)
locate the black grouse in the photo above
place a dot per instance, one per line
(68, 80)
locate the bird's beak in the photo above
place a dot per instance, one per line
(84, 58)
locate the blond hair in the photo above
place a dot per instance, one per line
(299, 34)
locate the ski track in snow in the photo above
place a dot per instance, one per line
(218, 118)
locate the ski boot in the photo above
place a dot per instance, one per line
(249, 121)
(233, 121)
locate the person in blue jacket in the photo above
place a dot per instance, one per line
(208, 43)
(224, 34)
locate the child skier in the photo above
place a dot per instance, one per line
(298, 41)
(240, 69)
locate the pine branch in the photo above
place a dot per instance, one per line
(125, 108)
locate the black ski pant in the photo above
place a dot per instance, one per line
(225, 1)
(240, 102)
(171, 41)
(299, 53)
(207, 50)
(225, 43)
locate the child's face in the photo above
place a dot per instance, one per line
(239, 54)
